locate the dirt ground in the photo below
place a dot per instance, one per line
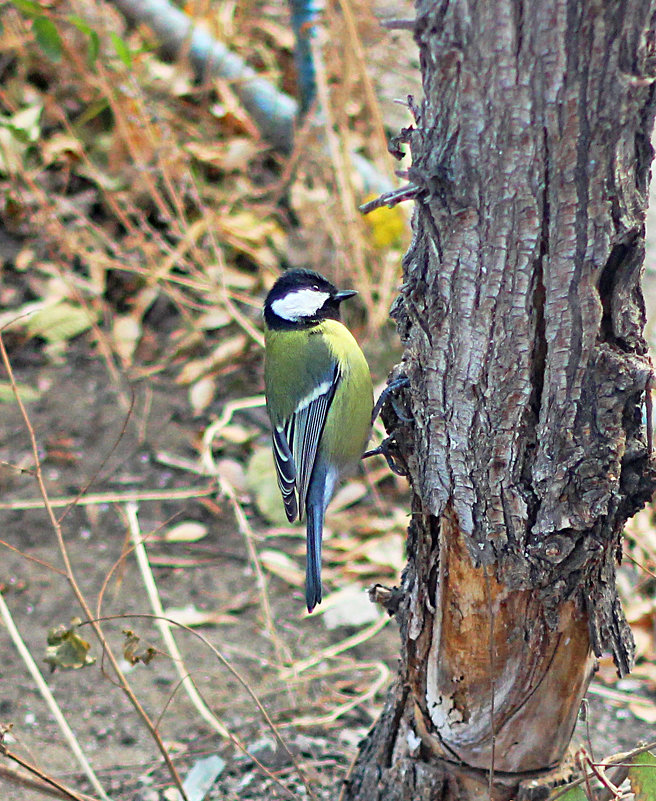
(77, 422)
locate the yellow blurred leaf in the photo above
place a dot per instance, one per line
(387, 226)
(59, 322)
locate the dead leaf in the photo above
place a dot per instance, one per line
(227, 351)
(59, 322)
(191, 616)
(283, 566)
(643, 711)
(133, 653)
(187, 531)
(201, 394)
(66, 649)
(349, 606)
(349, 494)
(211, 320)
(61, 148)
(233, 472)
(26, 393)
(386, 551)
(228, 156)
(127, 332)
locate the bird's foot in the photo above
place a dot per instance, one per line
(387, 395)
(384, 449)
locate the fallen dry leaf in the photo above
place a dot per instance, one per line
(187, 531)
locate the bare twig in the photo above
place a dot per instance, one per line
(337, 648)
(44, 784)
(398, 24)
(164, 626)
(138, 496)
(267, 718)
(63, 550)
(49, 698)
(407, 192)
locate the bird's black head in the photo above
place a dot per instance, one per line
(302, 298)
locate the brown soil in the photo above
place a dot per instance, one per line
(80, 419)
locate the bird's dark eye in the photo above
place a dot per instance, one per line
(315, 287)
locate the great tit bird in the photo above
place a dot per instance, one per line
(319, 398)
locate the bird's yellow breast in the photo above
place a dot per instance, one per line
(296, 362)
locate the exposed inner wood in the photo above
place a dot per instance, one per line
(487, 639)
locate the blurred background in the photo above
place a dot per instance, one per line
(144, 215)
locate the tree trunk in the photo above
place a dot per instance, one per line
(521, 313)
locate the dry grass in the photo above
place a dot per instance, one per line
(153, 218)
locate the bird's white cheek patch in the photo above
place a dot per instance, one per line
(302, 303)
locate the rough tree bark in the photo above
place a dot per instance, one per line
(521, 313)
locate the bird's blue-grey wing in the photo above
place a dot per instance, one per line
(295, 444)
(286, 472)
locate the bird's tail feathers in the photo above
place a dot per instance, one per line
(315, 513)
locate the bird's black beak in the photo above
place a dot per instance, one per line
(345, 293)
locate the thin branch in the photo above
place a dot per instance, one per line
(242, 681)
(114, 497)
(337, 648)
(398, 24)
(390, 199)
(70, 576)
(45, 784)
(49, 698)
(164, 626)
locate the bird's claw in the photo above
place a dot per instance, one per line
(384, 450)
(388, 395)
